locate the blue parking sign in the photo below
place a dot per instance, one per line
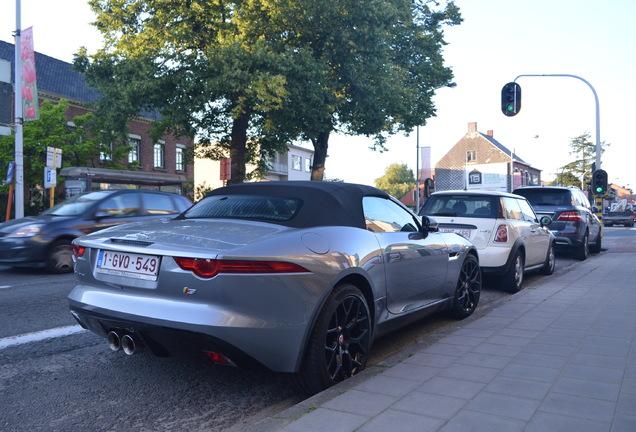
(10, 169)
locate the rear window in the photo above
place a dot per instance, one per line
(254, 207)
(546, 197)
(475, 206)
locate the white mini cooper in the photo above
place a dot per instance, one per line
(507, 233)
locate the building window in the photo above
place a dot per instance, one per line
(159, 155)
(180, 160)
(106, 154)
(133, 155)
(307, 165)
(296, 162)
(471, 156)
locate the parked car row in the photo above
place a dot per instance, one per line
(295, 277)
(519, 232)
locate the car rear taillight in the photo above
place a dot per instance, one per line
(78, 251)
(208, 268)
(571, 216)
(501, 235)
(219, 358)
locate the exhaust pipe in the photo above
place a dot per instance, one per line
(114, 341)
(128, 344)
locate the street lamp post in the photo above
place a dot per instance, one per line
(417, 156)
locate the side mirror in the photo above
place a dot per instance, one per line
(545, 220)
(429, 225)
(594, 209)
(101, 214)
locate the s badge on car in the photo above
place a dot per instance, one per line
(188, 291)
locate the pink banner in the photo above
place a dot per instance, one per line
(425, 167)
(30, 106)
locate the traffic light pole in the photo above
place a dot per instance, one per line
(599, 199)
(598, 116)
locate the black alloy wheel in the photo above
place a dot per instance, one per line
(340, 341)
(468, 288)
(347, 338)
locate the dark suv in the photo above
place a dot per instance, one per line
(46, 238)
(574, 222)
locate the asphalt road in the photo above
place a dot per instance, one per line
(68, 380)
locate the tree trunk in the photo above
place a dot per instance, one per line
(321, 144)
(238, 148)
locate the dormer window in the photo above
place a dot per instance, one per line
(471, 156)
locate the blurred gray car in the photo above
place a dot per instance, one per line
(45, 239)
(295, 277)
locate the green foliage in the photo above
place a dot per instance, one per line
(248, 77)
(51, 130)
(585, 150)
(397, 180)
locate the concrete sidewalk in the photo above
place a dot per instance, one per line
(558, 356)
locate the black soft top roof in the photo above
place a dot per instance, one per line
(324, 203)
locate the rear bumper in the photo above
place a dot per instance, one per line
(168, 327)
(164, 341)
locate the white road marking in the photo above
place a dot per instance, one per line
(40, 336)
(5, 286)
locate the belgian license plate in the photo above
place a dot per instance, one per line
(462, 232)
(130, 265)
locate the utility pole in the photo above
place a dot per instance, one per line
(19, 157)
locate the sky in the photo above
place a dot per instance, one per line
(498, 41)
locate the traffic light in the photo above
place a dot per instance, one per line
(599, 182)
(511, 99)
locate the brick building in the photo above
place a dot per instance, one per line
(479, 161)
(162, 164)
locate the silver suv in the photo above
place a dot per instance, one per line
(509, 237)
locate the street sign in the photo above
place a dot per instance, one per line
(10, 169)
(50, 178)
(54, 155)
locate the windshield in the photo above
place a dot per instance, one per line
(76, 205)
(267, 208)
(546, 197)
(474, 206)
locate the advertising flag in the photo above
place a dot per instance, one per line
(30, 107)
(425, 169)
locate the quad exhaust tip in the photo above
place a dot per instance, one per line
(114, 341)
(123, 341)
(128, 344)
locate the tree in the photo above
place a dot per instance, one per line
(397, 180)
(376, 65)
(580, 169)
(51, 130)
(247, 77)
(203, 65)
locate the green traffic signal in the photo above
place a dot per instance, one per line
(511, 99)
(599, 182)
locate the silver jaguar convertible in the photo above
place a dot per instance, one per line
(296, 277)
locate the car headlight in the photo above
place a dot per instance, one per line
(26, 231)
